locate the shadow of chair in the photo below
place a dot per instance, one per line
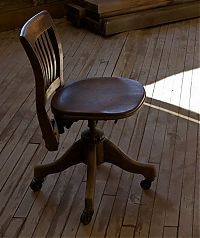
(90, 99)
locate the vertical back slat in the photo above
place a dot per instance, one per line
(53, 57)
(45, 58)
(46, 55)
(57, 54)
(41, 62)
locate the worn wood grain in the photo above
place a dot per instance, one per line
(166, 58)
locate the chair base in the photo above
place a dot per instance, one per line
(93, 149)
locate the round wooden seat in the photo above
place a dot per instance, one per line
(99, 98)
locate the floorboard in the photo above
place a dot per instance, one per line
(165, 132)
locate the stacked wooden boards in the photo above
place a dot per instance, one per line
(105, 8)
(76, 12)
(114, 16)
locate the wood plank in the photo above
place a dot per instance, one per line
(172, 216)
(146, 52)
(60, 203)
(126, 9)
(135, 191)
(14, 227)
(17, 152)
(130, 52)
(153, 78)
(146, 18)
(84, 72)
(73, 221)
(115, 55)
(151, 122)
(102, 57)
(133, 202)
(14, 179)
(85, 231)
(188, 185)
(145, 211)
(195, 225)
(80, 55)
(83, 55)
(174, 199)
(71, 46)
(187, 194)
(9, 108)
(11, 80)
(6, 41)
(103, 6)
(171, 93)
(164, 174)
(41, 201)
(131, 214)
(142, 115)
(20, 193)
(10, 40)
(103, 216)
(127, 232)
(19, 121)
(156, 91)
(119, 182)
(116, 172)
(118, 210)
(170, 232)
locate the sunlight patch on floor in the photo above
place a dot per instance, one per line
(181, 90)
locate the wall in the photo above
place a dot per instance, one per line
(13, 14)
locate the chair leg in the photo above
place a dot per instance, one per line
(71, 157)
(90, 155)
(114, 155)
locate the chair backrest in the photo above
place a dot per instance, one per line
(43, 48)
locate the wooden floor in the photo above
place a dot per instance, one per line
(165, 133)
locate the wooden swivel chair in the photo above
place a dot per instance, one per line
(91, 99)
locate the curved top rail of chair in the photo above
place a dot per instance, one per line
(36, 25)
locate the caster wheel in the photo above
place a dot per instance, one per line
(146, 183)
(86, 217)
(36, 184)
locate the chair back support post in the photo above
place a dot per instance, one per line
(43, 48)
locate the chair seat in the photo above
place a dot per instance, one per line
(106, 98)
